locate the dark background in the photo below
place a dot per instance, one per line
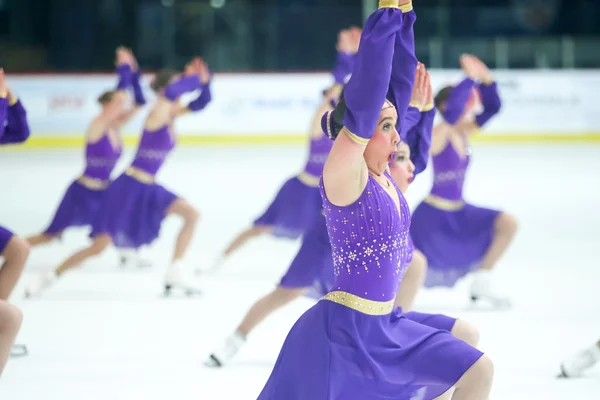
(261, 35)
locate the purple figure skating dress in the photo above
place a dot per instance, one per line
(135, 205)
(84, 197)
(352, 344)
(453, 234)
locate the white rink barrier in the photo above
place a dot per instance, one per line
(277, 108)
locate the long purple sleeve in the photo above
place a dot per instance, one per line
(365, 93)
(138, 93)
(411, 119)
(16, 129)
(181, 86)
(404, 65)
(343, 68)
(125, 76)
(491, 103)
(202, 100)
(419, 140)
(456, 103)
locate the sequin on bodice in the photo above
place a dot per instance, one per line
(101, 158)
(369, 241)
(318, 152)
(449, 171)
(153, 149)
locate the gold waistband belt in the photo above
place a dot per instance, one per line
(140, 175)
(93, 183)
(365, 306)
(444, 204)
(309, 179)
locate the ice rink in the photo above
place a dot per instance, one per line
(104, 332)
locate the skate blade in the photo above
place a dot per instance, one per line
(496, 305)
(189, 292)
(213, 362)
(19, 350)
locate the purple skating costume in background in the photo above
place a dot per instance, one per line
(13, 129)
(84, 197)
(298, 201)
(135, 205)
(452, 234)
(352, 344)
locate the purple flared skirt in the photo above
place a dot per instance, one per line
(454, 242)
(78, 207)
(132, 212)
(292, 210)
(336, 353)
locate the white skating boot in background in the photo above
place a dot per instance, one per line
(131, 258)
(483, 290)
(216, 264)
(223, 354)
(585, 359)
(40, 283)
(174, 279)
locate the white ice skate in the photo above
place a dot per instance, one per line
(131, 258)
(174, 279)
(482, 290)
(40, 283)
(223, 354)
(574, 366)
(19, 350)
(216, 264)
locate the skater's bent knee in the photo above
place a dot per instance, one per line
(17, 249)
(192, 216)
(466, 332)
(484, 369)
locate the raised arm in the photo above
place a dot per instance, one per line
(13, 117)
(17, 127)
(355, 118)
(136, 86)
(169, 88)
(490, 100)
(487, 88)
(404, 67)
(205, 96)
(418, 136)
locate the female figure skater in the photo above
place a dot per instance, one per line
(352, 344)
(311, 271)
(298, 200)
(134, 204)
(575, 366)
(82, 200)
(457, 237)
(13, 249)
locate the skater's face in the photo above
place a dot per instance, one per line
(402, 169)
(382, 146)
